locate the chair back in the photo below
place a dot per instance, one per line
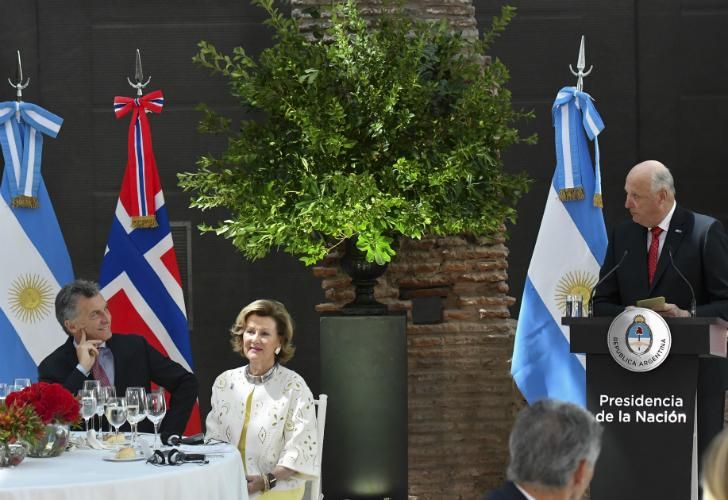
(320, 403)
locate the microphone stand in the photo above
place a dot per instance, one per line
(594, 288)
(693, 304)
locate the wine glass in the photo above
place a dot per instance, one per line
(107, 392)
(88, 405)
(21, 383)
(95, 386)
(136, 403)
(116, 413)
(156, 409)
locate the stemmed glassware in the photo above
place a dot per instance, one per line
(95, 386)
(4, 391)
(21, 383)
(156, 409)
(116, 412)
(136, 405)
(88, 405)
(107, 392)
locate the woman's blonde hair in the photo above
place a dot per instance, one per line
(284, 326)
(715, 484)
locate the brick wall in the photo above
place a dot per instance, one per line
(461, 399)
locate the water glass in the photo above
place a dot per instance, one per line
(88, 405)
(21, 383)
(107, 392)
(95, 386)
(156, 409)
(4, 391)
(136, 406)
(116, 412)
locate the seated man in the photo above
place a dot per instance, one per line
(554, 447)
(92, 352)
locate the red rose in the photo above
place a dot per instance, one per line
(52, 402)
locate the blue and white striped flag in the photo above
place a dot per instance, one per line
(34, 261)
(569, 250)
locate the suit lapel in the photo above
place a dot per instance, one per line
(674, 238)
(118, 375)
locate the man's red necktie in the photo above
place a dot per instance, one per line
(99, 372)
(653, 253)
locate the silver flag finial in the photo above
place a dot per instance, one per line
(138, 75)
(18, 85)
(580, 74)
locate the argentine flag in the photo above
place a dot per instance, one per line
(34, 261)
(570, 248)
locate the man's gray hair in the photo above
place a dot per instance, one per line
(67, 299)
(662, 179)
(549, 440)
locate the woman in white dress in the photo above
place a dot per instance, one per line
(264, 408)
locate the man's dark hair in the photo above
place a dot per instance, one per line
(67, 299)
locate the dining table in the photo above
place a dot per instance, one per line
(91, 474)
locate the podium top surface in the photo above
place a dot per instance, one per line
(704, 336)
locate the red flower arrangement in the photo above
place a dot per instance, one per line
(19, 423)
(52, 402)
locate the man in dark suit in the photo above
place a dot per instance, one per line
(553, 446)
(698, 245)
(92, 352)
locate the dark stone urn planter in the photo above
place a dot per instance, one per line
(364, 278)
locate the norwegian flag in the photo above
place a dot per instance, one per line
(139, 274)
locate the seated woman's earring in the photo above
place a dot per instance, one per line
(278, 350)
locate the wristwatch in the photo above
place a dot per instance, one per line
(272, 480)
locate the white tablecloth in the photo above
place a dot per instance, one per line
(84, 475)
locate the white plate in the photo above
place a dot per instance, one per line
(112, 458)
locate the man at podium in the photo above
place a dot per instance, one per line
(677, 259)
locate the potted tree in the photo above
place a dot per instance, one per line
(360, 133)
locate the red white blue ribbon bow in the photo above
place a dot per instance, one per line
(141, 179)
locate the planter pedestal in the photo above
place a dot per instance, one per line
(364, 373)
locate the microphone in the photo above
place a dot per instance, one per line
(594, 288)
(175, 440)
(693, 305)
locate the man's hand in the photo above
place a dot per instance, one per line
(672, 311)
(86, 351)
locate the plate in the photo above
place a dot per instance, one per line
(112, 458)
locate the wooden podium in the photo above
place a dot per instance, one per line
(649, 448)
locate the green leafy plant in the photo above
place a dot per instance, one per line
(366, 132)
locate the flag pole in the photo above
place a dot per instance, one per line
(19, 85)
(580, 74)
(138, 76)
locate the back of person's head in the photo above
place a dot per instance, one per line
(715, 478)
(548, 442)
(67, 299)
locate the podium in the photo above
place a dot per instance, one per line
(649, 447)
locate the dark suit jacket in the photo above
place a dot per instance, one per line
(507, 492)
(136, 364)
(699, 246)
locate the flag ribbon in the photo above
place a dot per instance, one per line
(22, 126)
(141, 178)
(573, 112)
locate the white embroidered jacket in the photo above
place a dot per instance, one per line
(282, 425)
